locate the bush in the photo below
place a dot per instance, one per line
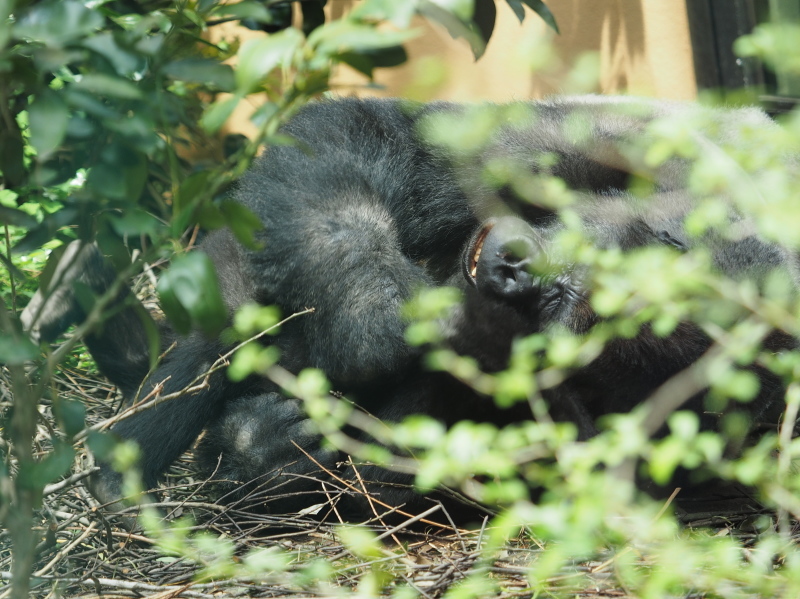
(97, 102)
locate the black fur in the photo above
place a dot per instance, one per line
(362, 213)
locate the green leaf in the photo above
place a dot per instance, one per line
(134, 222)
(513, 386)
(361, 542)
(455, 26)
(122, 173)
(209, 216)
(108, 85)
(139, 131)
(17, 218)
(203, 71)
(258, 57)
(48, 118)
(518, 8)
(367, 60)
(58, 23)
(242, 222)
(398, 13)
(101, 444)
(313, 14)
(485, 17)
(190, 295)
(280, 17)
(684, 425)
(16, 351)
(86, 102)
(265, 112)
(12, 164)
(45, 231)
(418, 431)
(266, 559)
(338, 37)
(193, 189)
(311, 383)
(84, 296)
(664, 458)
(150, 45)
(192, 16)
(741, 385)
(15, 272)
(104, 179)
(70, 414)
(80, 127)
(462, 9)
(5, 22)
(541, 9)
(359, 62)
(252, 318)
(564, 350)
(244, 10)
(112, 247)
(775, 44)
(46, 275)
(216, 114)
(252, 358)
(125, 63)
(36, 475)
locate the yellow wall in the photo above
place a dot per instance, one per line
(642, 46)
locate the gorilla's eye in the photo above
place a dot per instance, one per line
(475, 254)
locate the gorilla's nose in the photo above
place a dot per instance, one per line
(507, 259)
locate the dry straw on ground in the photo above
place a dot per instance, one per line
(84, 552)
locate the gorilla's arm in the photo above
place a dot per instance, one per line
(119, 344)
(356, 218)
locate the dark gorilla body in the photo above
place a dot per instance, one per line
(357, 220)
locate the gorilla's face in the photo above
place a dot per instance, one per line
(508, 260)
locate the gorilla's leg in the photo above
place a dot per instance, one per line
(120, 347)
(184, 402)
(187, 395)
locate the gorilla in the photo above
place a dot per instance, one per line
(365, 209)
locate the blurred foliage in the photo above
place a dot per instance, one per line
(97, 103)
(101, 104)
(590, 506)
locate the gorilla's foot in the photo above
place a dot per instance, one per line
(106, 487)
(267, 444)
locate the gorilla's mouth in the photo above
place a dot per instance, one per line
(473, 253)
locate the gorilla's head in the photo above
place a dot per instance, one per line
(510, 262)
